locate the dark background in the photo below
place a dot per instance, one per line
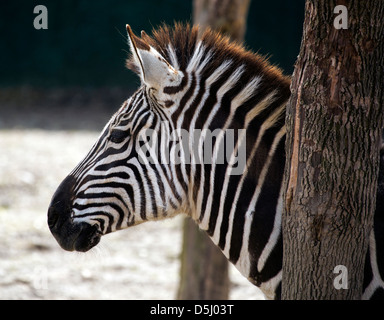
(85, 44)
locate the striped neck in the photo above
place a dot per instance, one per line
(237, 99)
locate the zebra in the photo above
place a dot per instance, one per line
(191, 82)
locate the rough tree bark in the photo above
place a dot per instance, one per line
(204, 269)
(334, 122)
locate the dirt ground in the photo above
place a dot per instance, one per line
(43, 135)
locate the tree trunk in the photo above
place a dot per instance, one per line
(226, 16)
(334, 122)
(204, 268)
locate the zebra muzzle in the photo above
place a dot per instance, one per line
(70, 235)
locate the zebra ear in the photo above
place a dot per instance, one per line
(154, 70)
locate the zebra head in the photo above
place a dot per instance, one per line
(114, 187)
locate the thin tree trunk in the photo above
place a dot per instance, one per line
(226, 16)
(334, 122)
(204, 268)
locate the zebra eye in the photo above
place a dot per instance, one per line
(117, 136)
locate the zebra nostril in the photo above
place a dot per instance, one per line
(53, 217)
(59, 209)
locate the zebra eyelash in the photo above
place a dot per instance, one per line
(118, 136)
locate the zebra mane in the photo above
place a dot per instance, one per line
(181, 41)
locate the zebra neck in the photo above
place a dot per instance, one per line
(242, 212)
